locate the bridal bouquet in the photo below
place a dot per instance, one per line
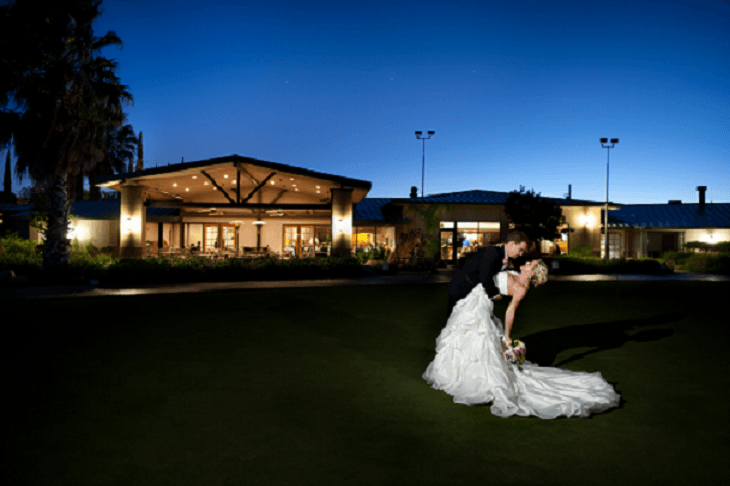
(515, 353)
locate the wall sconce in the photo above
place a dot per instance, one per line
(340, 226)
(259, 223)
(586, 220)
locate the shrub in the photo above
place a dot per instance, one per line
(723, 247)
(581, 251)
(708, 264)
(13, 244)
(594, 265)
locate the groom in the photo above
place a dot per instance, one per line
(481, 267)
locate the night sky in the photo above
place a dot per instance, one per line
(518, 92)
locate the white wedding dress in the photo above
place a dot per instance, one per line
(470, 366)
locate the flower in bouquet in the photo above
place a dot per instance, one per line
(516, 353)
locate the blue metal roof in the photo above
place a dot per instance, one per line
(96, 209)
(377, 210)
(670, 216)
(14, 208)
(487, 197)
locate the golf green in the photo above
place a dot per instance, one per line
(323, 386)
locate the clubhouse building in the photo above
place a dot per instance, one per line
(240, 206)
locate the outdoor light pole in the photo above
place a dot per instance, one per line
(423, 159)
(604, 144)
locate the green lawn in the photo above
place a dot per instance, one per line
(323, 386)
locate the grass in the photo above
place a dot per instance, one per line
(323, 386)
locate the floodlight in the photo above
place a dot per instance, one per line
(419, 133)
(604, 140)
(614, 140)
(431, 132)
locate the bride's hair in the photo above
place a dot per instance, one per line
(539, 274)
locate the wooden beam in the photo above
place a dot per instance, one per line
(281, 193)
(256, 189)
(223, 191)
(242, 170)
(222, 205)
(238, 188)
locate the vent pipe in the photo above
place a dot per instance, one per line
(702, 190)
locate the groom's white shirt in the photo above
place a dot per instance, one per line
(504, 267)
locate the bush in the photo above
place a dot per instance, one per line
(722, 246)
(15, 245)
(719, 264)
(594, 265)
(580, 251)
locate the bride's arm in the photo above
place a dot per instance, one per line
(517, 292)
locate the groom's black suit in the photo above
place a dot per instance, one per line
(479, 268)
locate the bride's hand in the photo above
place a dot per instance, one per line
(507, 341)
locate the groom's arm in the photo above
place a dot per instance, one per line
(489, 265)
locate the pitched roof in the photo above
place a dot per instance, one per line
(671, 216)
(377, 210)
(171, 169)
(486, 197)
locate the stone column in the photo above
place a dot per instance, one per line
(133, 216)
(643, 242)
(341, 222)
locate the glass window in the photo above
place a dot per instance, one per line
(322, 240)
(363, 237)
(307, 241)
(290, 240)
(211, 237)
(229, 237)
(614, 245)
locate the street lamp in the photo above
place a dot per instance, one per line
(604, 144)
(423, 159)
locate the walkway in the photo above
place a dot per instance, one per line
(442, 277)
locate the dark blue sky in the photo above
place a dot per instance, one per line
(518, 92)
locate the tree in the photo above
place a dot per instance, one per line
(58, 98)
(118, 152)
(7, 196)
(537, 216)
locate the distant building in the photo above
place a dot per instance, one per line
(648, 230)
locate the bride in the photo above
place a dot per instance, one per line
(470, 363)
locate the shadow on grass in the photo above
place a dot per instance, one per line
(601, 336)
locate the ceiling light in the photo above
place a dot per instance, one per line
(272, 183)
(233, 182)
(294, 185)
(291, 178)
(175, 184)
(317, 187)
(205, 183)
(225, 176)
(195, 177)
(187, 190)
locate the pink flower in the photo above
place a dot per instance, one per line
(505, 261)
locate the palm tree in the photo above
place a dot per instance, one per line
(119, 148)
(65, 96)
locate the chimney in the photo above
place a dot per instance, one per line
(702, 190)
(414, 192)
(570, 191)
(675, 201)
